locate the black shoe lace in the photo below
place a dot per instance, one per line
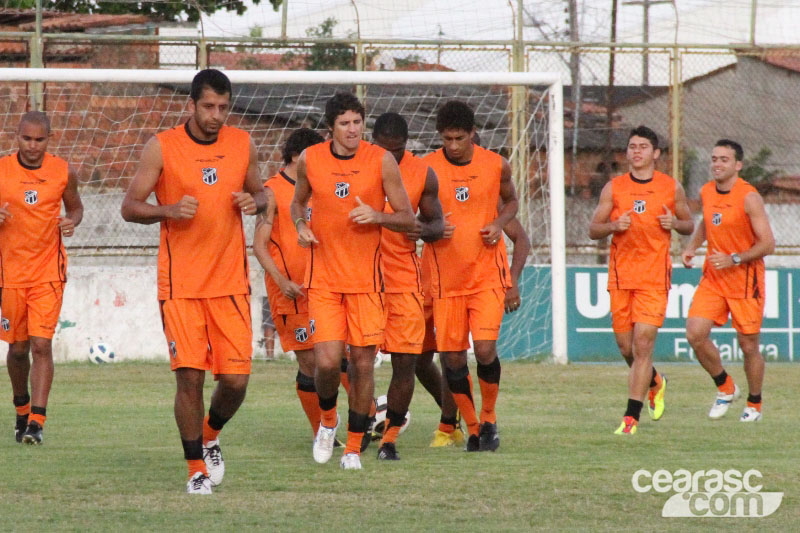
(197, 482)
(214, 454)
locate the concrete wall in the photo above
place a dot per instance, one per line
(118, 305)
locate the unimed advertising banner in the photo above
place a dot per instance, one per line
(590, 337)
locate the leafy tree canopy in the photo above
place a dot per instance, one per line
(165, 10)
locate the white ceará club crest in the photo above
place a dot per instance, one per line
(300, 335)
(462, 194)
(312, 326)
(342, 189)
(716, 219)
(31, 197)
(639, 206)
(209, 176)
(5, 324)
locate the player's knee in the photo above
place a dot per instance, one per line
(41, 349)
(403, 364)
(695, 335)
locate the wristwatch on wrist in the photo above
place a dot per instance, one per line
(737, 259)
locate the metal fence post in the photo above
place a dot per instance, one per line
(675, 114)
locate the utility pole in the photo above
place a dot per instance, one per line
(608, 156)
(575, 74)
(646, 4)
(753, 10)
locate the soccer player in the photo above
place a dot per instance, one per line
(469, 272)
(284, 263)
(640, 209)
(403, 299)
(205, 175)
(348, 181)
(33, 269)
(739, 236)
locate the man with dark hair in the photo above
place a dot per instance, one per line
(349, 182)
(739, 235)
(195, 170)
(469, 274)
(640, 209)
(403, 299)
(284, 263)
(33, 270)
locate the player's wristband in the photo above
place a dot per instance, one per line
(298, 221)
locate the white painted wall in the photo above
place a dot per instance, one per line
(118, 305)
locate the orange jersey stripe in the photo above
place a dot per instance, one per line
(347, 258)
(728, 230)
(289, 257)
(639, 257)
(463, 264)
(400, 262)
(203, 257)
(31, 251)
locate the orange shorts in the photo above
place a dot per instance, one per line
(295, 331)
(746, 313)
(209, 333)
(456, 316)
(429, 342)
(405, 323)
(30, 311)
(628, 306)
(357, 319)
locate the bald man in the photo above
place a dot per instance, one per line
(33, 269)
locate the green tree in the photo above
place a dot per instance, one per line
(325, 56)
(757, 169)
(160, 10)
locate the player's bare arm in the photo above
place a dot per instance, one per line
(402, 220)
(73, 207)
(765, 241)
(522, 247)
(135, 207)
(695, 242)
(264, 223)
(302, 193)
(430, 219)
(681, 220)
(602, 226)
(252, 200)
(491, 233)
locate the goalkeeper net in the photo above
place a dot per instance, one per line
(101, 120)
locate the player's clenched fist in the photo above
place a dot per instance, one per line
(245, 202)
(667, 220)
(305, 237)
(623, 222)
(4, 213)
(415, 234)
(687, 256)
(448, 228)
(67, 226)
(185, 209)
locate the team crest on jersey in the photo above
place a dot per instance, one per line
(31, 197)
(716, 219)
(308, 213)
(342, 189)
(639, 206)
(173, 349)
(311, 326)
(209, 175)
(6, 325)
(462, 194)
(300, 335)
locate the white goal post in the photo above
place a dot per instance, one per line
(546, 82)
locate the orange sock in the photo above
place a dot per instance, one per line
(489, 393)
(390, 435)
(466, 405)
(23, 410)
(658, 383)
(209, 433)
(756, 406)
(196, 465)
(310, 403)
(39, 419)
(446, 428)
(728, 387)
(328, 418)
(353, 442)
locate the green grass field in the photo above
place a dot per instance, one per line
(112, 459)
